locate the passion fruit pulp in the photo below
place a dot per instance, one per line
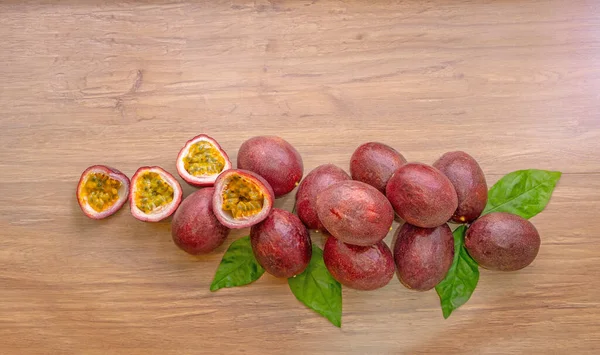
(102, 191)
(201, 160)
(155, 194)
(242, 198)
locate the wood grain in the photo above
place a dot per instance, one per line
(516, 84)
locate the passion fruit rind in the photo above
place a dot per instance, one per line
(242, 198)
(194, 228)
(152, 206)
(106, 204)
(316, 181)
(281, 244)
(359, 267)
(273, 158)
(211, 165)
(374, 163)
(354, 212)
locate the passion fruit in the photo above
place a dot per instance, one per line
(281, 244)
(242, 198)
(422, 195)
(155, 194)
(355, 213)
(359, 267)
(201, 160)
(502, 241)
(316, 181)
(423, 256)
(374, 163)
(273, 158)
(102, 191)
(195, 228)
(469, 182)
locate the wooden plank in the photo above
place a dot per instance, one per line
(128, 84)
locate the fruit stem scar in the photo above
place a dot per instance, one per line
(335, 213)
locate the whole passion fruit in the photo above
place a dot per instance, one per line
(502, 241)
(201, 160)
(316, 181)
(469, 182)
(374, 163)
(155, 194)
(355, 213)
(423, 256)
(102, 191)
(359, 267)
(273, 158)
(195, 228)
(422, 195)
(242, 198)
(281, 244)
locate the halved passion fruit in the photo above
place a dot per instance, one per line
(155, 194)
(102, 191)
(242, 198)
(201, 160)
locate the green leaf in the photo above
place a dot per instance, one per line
(522, 192)
(460, 281)
(238, 266)
(318, 290)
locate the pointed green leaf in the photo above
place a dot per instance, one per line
(238, 266)
(318, 290)
(460, 281)
(523, 192)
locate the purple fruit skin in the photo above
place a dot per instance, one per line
(502, 241)
(374, 163)
(359, 267)
(195, 228)
(468, 180)
(273, 158)
(306, 198)
(423, 256)
(281, 244)
(421, 195)
(355, 213)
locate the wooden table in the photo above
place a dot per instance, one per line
(516, 84)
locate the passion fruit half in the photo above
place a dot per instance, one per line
(242, 198)
(201, 160)
(102, 191)
(155, 194)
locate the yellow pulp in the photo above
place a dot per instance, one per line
(203, 159)
(101, 191)
(242, 198)
(152, 192)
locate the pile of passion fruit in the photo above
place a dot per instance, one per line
(355, 211)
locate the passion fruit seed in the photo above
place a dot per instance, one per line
(242, 198)
(101, 191)
(203, 158)
(152, 192)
